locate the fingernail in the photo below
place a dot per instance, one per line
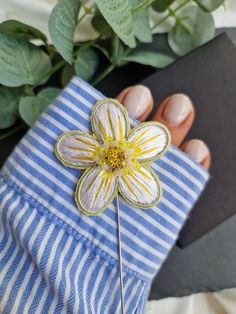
(196, 149)
(177, 108)
(137, 101)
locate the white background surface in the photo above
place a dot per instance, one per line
(36, 13)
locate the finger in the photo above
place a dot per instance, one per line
(199, 152)
(177, 113)
(137, 100)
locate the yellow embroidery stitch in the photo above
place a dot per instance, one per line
(114, 158)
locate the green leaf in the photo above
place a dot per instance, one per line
(194, 27)
(161, 5)
(62, 24)
(104, 47)
(86, 63)
(8, 107)
(117, 50)
(118, 15)
(21, 30)
(209, 5)
(100, 24)
(67, 74)
(22, 62)
(141, 25)
(154, 59)
(49, 94)
(31, 107)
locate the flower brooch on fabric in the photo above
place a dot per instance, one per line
(115, 158)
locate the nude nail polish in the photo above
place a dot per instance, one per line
(196, 149)
(137, 101)
(177, 109)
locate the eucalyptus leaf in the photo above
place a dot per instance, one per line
(66, 75)
(118, 15)
(86, 63)
(209, 5)
(104, 47)
(22, 62)
(141, 25)
(194, 27)
(154, 59)
(49, 94)
(117, 50)
(8, 107)
(100, 24)
(62, 24)
(31, 107)
(162, 5)
(21, 30)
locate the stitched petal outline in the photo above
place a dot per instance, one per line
(77, 149)
(109, 120)
(140, 187)
(95, 191)
(149, 141)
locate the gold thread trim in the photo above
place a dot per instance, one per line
(160, 125)
(128, 134)
(139, 137)
(77, 193)
(140, 183)
(80, 149)
(60, 156)
(146, 151)
(140, 205)
(83, 158)
(111, 178)
(147, 141)
(86, 142)
(111, 125)
(102, 183)
(117, 104)
(128, 184)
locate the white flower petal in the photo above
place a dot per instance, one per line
(109, 120)
(140, 187)
(77, 149)
(95, 191)
(149, 141)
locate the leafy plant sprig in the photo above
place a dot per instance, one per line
(121, 26)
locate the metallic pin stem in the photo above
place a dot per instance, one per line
(120, 257)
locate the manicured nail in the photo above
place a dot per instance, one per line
(196, 149)
(137, 101)
(177, 108)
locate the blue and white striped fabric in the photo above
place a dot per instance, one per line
(54, 259)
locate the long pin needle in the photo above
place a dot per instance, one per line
(120, 258)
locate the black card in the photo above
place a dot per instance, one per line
(208, 76)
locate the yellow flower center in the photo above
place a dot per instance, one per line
(115, 158)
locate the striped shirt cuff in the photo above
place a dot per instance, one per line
(147, 235)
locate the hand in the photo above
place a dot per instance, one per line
(176, 112)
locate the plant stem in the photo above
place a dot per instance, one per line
(170, 13)
(139, 7)
(13, 131)
(51, 71)
(142, 5)
(103, 74)
(57, 67)
(85, 14)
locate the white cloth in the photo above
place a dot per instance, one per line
(36, 13)
(221, 302)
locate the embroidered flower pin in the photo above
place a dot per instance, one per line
(115, 159)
